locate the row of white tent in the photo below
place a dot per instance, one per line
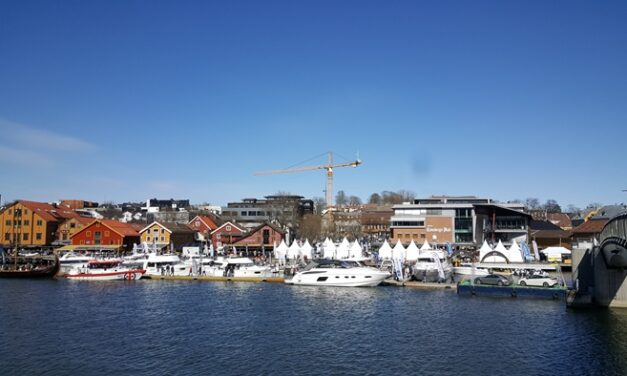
(399, 252)
(344, 250)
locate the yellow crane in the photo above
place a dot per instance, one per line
(329, 167)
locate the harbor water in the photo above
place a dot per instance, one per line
(60, 327)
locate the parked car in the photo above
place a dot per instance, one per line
(538, 280)
(493, 279)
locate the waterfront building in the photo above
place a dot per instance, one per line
(163, 234)
(227, 234)
(548, 234)
(154, 205)
(31, 224)
(263, 237)
(203, 225)
(106, 234)
(77, 204)
(284, 209)
(375, 220)
(461, 221)
(587, 234)
(69, 227)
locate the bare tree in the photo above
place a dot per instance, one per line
(354, 201)
(340, 198)
(319, 204)
(572, 209)
(375, 198)
(310, 227)
(551, 206)
(532, 203)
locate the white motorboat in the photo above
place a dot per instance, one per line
(162, 265)
(236, 267)
(71, 260)
(432, 266)
(104, 270)
(468, 269)
(338, 273)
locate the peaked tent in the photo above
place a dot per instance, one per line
(355, 251)
(398, 252)
(412, 252)
(329, 249)
(305, 250)
(498, 254)
(342, 249)
(293, 251)
(514, 253)
(385, 252)
(426, 246)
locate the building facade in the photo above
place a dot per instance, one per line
(264, 236)
(31, 224)
(284, 209)
(107, 232)
(162, 234)
(69, 227)
(227, 234)
(461, 221)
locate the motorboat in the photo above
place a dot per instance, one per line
(432, 266)
(468, 269)
(166, 264)
(71, 260)
(104, 270)
(236, 267)
(347, 273)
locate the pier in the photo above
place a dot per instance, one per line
(514, 291)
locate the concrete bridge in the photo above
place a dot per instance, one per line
(600, 273)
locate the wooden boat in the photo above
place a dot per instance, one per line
(29, 266)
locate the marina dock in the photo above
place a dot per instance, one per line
(218, 279)
(513, 291)
(419, 285)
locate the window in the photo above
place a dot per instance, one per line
(82, 242)
(107, 233)
(25, 236)
(7, 236)
(72, 225)
(38, 236)
(162, 239)
(147, 238)
(8, 222)
(64, 236)
(40, 222)
(228, 228)
(25, 211)
(26, 222)
(163, 231)
(88, 234)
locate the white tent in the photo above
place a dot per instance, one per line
(355, 250)
(342, 249)
(425, 246)
(555, 253)
(293, 251)
(305, 250)
(412, 252)
(514, 253)
(398, 252)
(329, 249)
(281, 250)
(385, 252)
(500, 248)
(484, 250)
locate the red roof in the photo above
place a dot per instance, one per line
(124, 229)
(592, 226)
(48, 212)
(209, 222)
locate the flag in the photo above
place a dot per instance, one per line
(449, 249)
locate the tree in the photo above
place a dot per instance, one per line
(310, 226)
(551, 206)
(532, 203)
(354, 201)
(340, 199)
(572, 209)
(375, 198)
(406, 196)
(319, 204)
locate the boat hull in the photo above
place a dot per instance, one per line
(121, 275)
(347, 280)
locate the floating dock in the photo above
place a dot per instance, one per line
(419, 285)
(513, 291)
(217, 279)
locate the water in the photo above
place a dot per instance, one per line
(61, 327)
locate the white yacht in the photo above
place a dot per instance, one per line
(338, 273)
(73, 260)
(432, 266)
(236, 267)
(468, 269)
(167, 264)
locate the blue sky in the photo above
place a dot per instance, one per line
(127, 100)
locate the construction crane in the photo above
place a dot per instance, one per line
(329, 167)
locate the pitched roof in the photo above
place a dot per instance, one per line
(543, 225)
(560, 219)
(48, 212)
(207, 220)
(124, 229)
(170, 227)
(592, 226)
(256, 229)
(229, 223)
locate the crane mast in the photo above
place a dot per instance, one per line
(328, 167)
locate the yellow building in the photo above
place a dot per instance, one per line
(161, 234)
(30, 223)
(69, 227)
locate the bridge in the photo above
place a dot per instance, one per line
(599, 273)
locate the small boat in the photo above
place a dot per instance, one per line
(338, 273)
(469, 269)
(432, 266)
(237, 267)
(163, 265)
(29, 266)
(105, 270)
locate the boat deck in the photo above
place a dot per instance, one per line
(217, 279)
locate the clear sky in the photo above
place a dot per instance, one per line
(128, 100)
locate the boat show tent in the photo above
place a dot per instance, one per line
(498, 254)
(425, 246)
(398, 252)
(385, 252)
(342, 249)
(293, 251)
(412, 252)
(305, 250)
(555, 253)
(281, 251)
(355, 250)
(514, 253)
(329, 249)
